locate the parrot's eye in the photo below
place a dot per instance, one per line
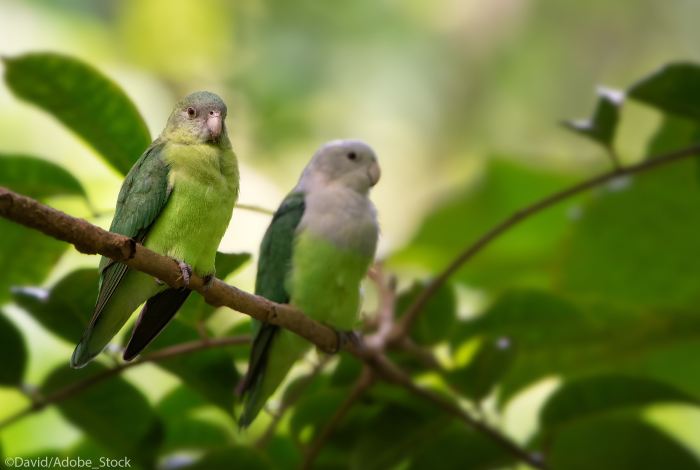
(191, 111)
(352, 155)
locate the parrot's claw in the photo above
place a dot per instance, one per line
(349, 336)
(160, 283)
(209, 281)
(186, 271)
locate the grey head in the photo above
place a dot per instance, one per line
(198, 118)
(350, 163)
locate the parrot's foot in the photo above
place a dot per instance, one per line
(160, 283)
(209, 281)
(186, 271)
(345, 337)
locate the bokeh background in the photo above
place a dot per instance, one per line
(461, 99)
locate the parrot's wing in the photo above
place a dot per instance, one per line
(274, 264)
(141, 198)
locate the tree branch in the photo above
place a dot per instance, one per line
(404, 325)
(91, 240)
(156, 356)
(387, 307)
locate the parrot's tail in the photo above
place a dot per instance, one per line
(154, 317)
(275, 350)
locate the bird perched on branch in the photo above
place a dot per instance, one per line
(314, 255)
(177, 200)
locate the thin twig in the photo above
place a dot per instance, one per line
(404, 325)
(156, 356)
(253, 208)
(386, 288)
(363, 383)
(614, 158)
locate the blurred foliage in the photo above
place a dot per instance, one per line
(436, 319)
(599, 291)
(36, 178)
(88, 103)
(12, 343)
(602, 126)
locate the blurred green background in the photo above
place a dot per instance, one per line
(461, 101)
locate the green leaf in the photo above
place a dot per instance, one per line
(192, 433)
(284, 453)
(599, 395)
(195, 308)
(85, 100)
(302, 386)
(37, 178)
(490, 363)
(209, 372)
(618, 444)
(674, 133)
(437, 318)
(26, 256)
(346, 372)
(14, 350)
(112, 412)
(456, 447)
(557, 337)
(602, 126)
(674, 89)
(183, 429)
(340, 446)
(67, 309)
(316, 409)
(232, 457)
(632, 240)
(180, 400)
(517, 258)
(394, 435)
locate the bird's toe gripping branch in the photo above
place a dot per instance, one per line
(209, 281)
(352, 337)
(186, 271)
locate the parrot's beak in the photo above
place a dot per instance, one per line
(214, 124)
(374, 173)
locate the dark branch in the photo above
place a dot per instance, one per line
(91, 240)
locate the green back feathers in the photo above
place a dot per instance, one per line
(142, 196)
(273, 265)
(276, 249)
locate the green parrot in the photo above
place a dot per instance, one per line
(314, 255)
(177, 200)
